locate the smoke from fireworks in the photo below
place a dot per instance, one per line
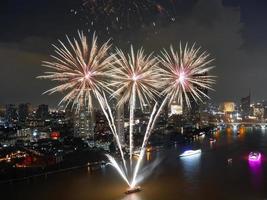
(186, 74)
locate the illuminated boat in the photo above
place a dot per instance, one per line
(137, 153)
(254, 156)
(212, 140)
(190, 153)
(133, 190)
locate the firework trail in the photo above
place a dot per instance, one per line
(108, 114)
(153, 118)
(117, 167)
(135, 77)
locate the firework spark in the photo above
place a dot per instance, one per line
(119, 14)
(186, 74)
(135, 77)
(80, 70)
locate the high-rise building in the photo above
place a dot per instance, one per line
(258, 111)
(245, 106)
(11, 113)
(192, 113)
(2, 111)
(84, 124)
(42, 112)
(23, 112)
(120, 123)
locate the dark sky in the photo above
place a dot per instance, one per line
(233, 31)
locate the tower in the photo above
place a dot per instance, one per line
(245, 106)
(23, 112)
(84, 123)
(120, 123)
(11, 113)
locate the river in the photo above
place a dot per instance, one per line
(208, 176)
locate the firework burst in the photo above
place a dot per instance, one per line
(135, 77)
(186, 74)
(80, 70)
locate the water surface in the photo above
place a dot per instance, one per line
(207, 176)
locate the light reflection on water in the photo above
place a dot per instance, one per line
(256, 172)
(191, 161)
(132, 197)
(191, 166)
(148, 156)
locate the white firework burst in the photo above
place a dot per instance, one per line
(186, 74)
(135, 75)
(79, 69)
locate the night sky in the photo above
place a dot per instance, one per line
(233, 31)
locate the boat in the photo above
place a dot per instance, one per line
(201, 133)
(190, 153)
(137, 153)
(133, 190)
(254, 156)
(212, 140)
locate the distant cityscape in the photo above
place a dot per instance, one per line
(40, 137)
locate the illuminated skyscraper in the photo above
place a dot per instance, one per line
(120, 123)
(245, 106)
(84, 124)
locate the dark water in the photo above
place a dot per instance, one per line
(208, 176)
